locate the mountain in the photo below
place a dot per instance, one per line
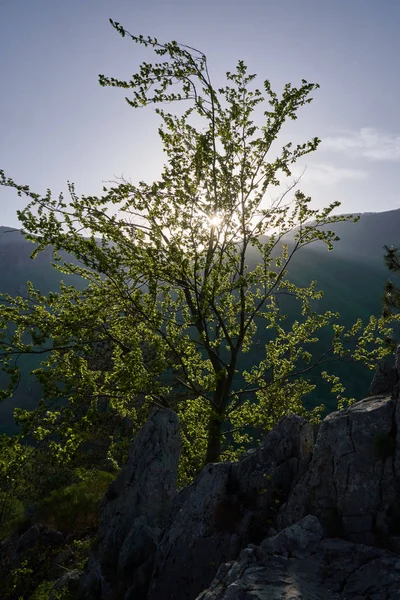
(363, 241)
(16, 268)
(352, 277)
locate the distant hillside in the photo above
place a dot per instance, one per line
(16, 268)
(352, 277)
(363, 241)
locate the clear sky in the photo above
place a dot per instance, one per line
(58, 124)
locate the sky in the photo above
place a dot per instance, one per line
(59, 125)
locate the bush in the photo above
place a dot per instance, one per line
(11, 514)
(75, 508)
(44, 590)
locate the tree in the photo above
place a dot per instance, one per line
(391, 295)
(169, 286)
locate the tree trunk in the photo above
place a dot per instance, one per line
(214, 439)
(217, 418)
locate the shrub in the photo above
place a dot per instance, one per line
(75, 508)
(11, 514)
(44, 590)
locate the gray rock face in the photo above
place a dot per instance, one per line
(328, 569)
(295, 540)
(387, 376)
(193, 547)
(134, 511)
(353, 482)
(265, 477)
(213, 535)
(228, 506)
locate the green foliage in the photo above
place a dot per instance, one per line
(75, 508)
(391, 295)
(16, 578)
(171, 307)
(12, 514)
(80, 550)
(77, 554)
(24, 572)
(43, 591)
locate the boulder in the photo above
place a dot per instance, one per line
(331, 569)
(228, 506)
(134, 512)
(353, 482)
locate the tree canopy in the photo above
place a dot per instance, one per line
(171, 304)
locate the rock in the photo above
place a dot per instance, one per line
(68, 582)
(134, 511)
(228, 506)
(15, 549)
(155, 544)
(60, 561)
(328, 569)
(295, 541)
(196, 542)
(353, 482)
(39, 533)
(265, 477)
(385, 378)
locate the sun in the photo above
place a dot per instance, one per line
(215, 221)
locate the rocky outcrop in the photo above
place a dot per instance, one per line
(387, 376)
(295, 540)
(134, 512)
(353, 482)
(299, 564)
(194, 545)
(289, 520)
(229, 506)
(265, 476)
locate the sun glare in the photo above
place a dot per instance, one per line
(215, 221)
